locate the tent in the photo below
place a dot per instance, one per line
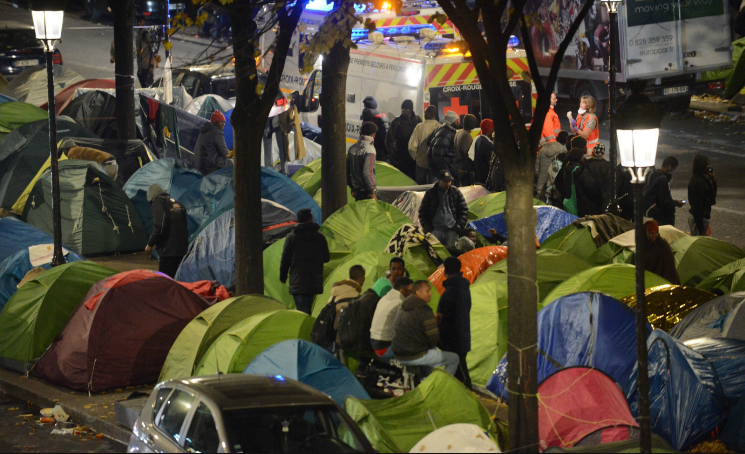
(121, 332)
(310, 364)
(15, 114)
(734, 433)
(725, 278)
(236, 347)
(696, 257)
(211, 254)
(39, 311)
(550, 221)
(92, 203)
(610, 253)
(686, 398)
(472, 264)
(347, 226)
(491, 204)
(169, 130)
(576, 240)
(131, 155)
(5, 98)
(721, 317)
(31, 85)
(63, 98)
(24, 151)
(169, 173)
(396, 425)
(628, 239)
(576, 402)
(617, 280)
(553, 267)
(456, 438)
(728, 358)
(668, 304)
(410, 201)
(204, 106)
(201, 332)
(584, 329)
(96, 111)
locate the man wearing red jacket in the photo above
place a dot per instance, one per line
(551, 125)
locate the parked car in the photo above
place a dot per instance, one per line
(154, 11)
(205, 80)
(19, 49)
(243, 413)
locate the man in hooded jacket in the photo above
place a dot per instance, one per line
(370, 113)
(546, 156)
(483, 148)
(702, 193)
(398, 136)
(211, 152)
(454, 313)
(170, 232)
(574, 173)
(441, 153)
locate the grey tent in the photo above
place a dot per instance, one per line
(130, 155)
(96, 110)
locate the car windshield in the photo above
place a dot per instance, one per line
(17, 39)
(224, 87)
(290, 429)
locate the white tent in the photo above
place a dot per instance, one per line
(628, 239)
(31, 85)
(456, 438)
(197, 103)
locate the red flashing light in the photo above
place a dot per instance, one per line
(146, 13)
(716, 85)
(57, 58)
(281, 101)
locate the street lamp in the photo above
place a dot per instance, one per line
(612, 7)
(47, 16)
(638, 122)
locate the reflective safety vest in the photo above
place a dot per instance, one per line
(551, 126)
(592, 139)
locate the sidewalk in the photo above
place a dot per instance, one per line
(716, 106)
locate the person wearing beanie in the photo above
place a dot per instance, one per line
(361, 176)
(463, 142)
(370, 114)
(481, 151)
(170, 232)
(658, 256)
(418, 146)
(304, 253)
(211, 152)
(454, 315)
(444, 211)
(441, 152)
(577, 142)
(546, 157)
(599, 168)
(397, 139)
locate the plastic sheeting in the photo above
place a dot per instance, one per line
(409, 201)
(686, 398)
(550, 221)
(583, 329)
(31, 85)
(721, 317)
(696, 257)
(668, 304)
(728, 358)
(310, 364)
(456, 438)
(472, 264)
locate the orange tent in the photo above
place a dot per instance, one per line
(63, 98)
(473, 263)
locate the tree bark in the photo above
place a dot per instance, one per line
(123, 12)
(334, 139)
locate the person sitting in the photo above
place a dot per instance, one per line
(415, 333)
(658, 256)
(381, 331)
(468, 242)
(397, 269)
(210, 151)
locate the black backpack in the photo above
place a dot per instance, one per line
(323, 332)
(355, 321)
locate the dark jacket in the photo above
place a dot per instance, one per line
(210, 152)
(482, 154)
(397, 142)
(455, 307)
(702, 191)
(431, 201)
(658, 202)
(381, 121)
(361, 174)
(599, 168)
(589, 199)
(660, 260)
(170, 232)
(441, 153)
(303, 257)
(415, 330)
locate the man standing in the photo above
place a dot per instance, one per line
(483, 149)
(383, 322)
(658, 256)
(551, 125)
(370, 113)
(416, 334)
(418, 144)
(546, 157)
(361, 177)
(444, 211)
(170, 233)
(397, 139)
(146, 57)
(463, 141)
(702, 192)
(385, 284)
(303, 256)
(211, 152)
(454, 313)
(441, 152)
(658, 202)
(599, 168)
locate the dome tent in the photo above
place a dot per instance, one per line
(63, 98)
(96, 111)
(200, 333)
(728, 358)
(550, 220)
(721, 317)
(347, 226)
(725, 278)
(576, 240)
(204, 106)
(696, 257)
(16, 114)
(490, 205)
(31, 85)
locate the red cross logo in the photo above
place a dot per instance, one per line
(456, 107)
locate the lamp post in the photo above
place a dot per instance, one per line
(47, 16)
(638, 123)
(612, 7)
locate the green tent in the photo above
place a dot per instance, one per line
(417, 256)
(617, 280)
(201, 332)
(16, 114)
(38, 311)
(724, 278)
(553, 267)
(491, 204)
(97, 216)
(396, 425)
(231, 352)
(375, 264)
(696, 257)
(309, 178)
(348, 225)
(611, 252)
(576, 240)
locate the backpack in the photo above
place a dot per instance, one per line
(323, 332)
(570, 204)
(355, 321)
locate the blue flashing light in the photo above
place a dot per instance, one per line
(319, 5)
(513, 41)
(279, 378)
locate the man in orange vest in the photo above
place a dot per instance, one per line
(551, 125)
(586, 125)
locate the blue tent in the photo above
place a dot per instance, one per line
(728, 358)
(16, 235)
(687, 400)
(5, 98)
(550, 221)
(211, 255)
(228, 130)
(310, 364)
(170, 173)
(582, 329)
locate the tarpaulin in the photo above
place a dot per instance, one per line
(728, 358)
(473, 264)
(669, 304)
(550, 220)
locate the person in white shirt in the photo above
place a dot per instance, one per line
(381, 330)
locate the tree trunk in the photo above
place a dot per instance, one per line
(333, 102)
(123, 12)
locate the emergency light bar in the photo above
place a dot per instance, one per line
(321, 5)
(514, 41)
(390, 32)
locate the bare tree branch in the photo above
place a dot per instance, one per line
(517, 13)
(530, 53)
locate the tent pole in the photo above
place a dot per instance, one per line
(58, 257)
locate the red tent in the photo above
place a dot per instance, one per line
(473, 263)
(580, 406)
(64, 97)
(121, 332)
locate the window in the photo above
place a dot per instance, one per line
(318, 76)
(202, 435)
(160, 399)
(190, 83)
(174, 413)
(17, 39)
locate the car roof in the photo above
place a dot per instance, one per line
(239, 391)
(212, 70)
(13, 25)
